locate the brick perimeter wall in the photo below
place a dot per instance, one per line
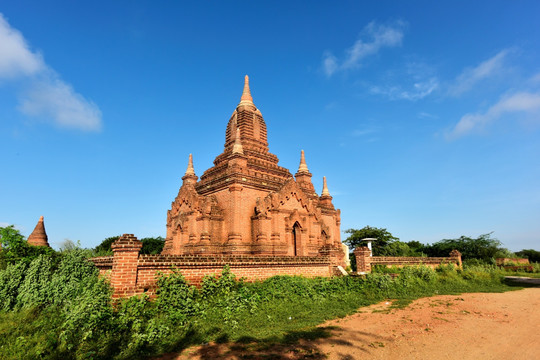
(504, 261)
(432, 262)
(195, 267)
(364, 260)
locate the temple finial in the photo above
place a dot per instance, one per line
(246, 98)
(303, 166)
(237, 147)
(41, 218)
(190, 170)
(325, 191)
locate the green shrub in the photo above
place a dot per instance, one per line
(36, 288)
(176, 299)
(423, 273)
(11, 279)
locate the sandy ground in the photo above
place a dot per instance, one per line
(468, 326)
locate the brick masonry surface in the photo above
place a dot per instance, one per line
(247, 204)
(364, 260)
(131, 273)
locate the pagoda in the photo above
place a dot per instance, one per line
(246, 204)
(39, 237)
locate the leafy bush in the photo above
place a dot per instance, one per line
(227, 297)
(11, 280)
(36, 288)
(176, 299)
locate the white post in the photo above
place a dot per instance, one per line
(369, 241)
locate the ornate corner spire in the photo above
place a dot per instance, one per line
(246, 98)
(237, 147)
(189, 176)
(303, 166)
(190, 170)
(325, 191)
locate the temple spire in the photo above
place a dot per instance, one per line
(325, 191)
(246, 98)
(237, 147)
(303, 166)
(189, 176)
(190, 170)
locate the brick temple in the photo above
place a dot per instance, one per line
(248, 213)
(246, 204)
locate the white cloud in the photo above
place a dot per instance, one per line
(418, 90)
(372, 39)
(16, 59)
(364, 131)
(470, 76)
(45, 96)
(535, 78)
(413, 81)
(426, 115)
(330, 63)
(57, 100)
(523, 102)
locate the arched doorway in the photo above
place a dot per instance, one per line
(324, 238)
(296, 237)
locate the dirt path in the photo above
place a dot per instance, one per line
(468, 326)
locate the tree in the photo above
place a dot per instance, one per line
(416, 247)
(150, 245)
(105, 247)
(396, 248)
(69, 245)
(15, 248)
(484, 247)
(532, 255)
(383, 236)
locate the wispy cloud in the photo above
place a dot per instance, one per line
(425, 115)
(535, 78)
(46, 96)
(363, 131)
(55, 99)
(418, 90)
(372, 38)
(16, 59)
(470, 76)
(414, 80)
(523, 102)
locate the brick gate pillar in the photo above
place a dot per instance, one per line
(363, 259)
(124, 270)
(456, 255)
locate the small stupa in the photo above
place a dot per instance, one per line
(38, 237)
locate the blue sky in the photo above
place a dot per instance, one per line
(424, 116)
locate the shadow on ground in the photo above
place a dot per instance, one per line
(293, 345)
(521, 281)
